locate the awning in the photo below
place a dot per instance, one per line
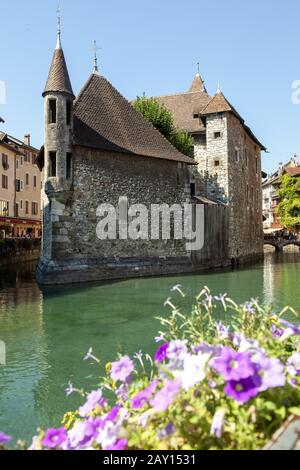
(17, 221)
(272, 230)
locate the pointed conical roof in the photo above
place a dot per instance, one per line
(197, 84)
(219, 104)
(58, 78)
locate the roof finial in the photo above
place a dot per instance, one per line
(219, 88)
(198, 69)
(96, 70)
(58, 43)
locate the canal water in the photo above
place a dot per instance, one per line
(48, 332)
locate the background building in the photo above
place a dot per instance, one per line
(271, 198)
(20, 187)
(229, 162)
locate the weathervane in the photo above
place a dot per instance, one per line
(96, 49)
(58, 45)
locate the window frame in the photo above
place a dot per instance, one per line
(52, 111)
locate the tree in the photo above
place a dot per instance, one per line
(289, 206)
(162, 119)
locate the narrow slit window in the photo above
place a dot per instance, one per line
(52, 163)
(69, 166)
(69, 112)
(52, 111)
(193, 189)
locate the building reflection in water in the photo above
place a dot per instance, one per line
(47, 333)
(281, 280)
(22, 330)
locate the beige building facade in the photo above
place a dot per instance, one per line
(20, 188)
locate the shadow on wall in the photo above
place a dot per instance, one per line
(208, 186)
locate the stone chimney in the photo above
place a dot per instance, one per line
(27, 139)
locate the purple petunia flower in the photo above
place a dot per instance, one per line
(166, 431)
(217, 424)
(223, 330)
(276, 332)
(94, 399)
(161, 352)
(141, 398)
(4, 438)
(207, 348)
(177, 349)
(122, 369)
(291, 329)
(166, 395)
(271, 372)
(294, 363)
(84, 433)
(113, 414)
(244, 389)
(233, 365)
(54, 438)
(249, 307)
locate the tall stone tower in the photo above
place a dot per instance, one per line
(58, 143)
(58, 111)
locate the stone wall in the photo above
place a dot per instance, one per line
(71, 249)
(229, 171)
(245, 192)
(211, 154)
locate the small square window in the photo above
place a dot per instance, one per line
(217, 135)
(217, 162)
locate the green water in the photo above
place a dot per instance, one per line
(47, 333)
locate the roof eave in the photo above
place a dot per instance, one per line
(187, 160)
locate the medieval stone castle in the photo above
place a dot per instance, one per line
(98, 148)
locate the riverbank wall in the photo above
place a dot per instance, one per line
(14, 251)
(213, 254)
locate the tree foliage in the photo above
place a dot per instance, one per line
(289, 206)
(162, 119)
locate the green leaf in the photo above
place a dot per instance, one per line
(294, 411)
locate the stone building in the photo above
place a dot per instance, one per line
(229, 162)
(98, 149)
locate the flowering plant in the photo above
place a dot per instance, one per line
(210, 385)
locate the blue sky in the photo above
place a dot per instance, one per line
(152, 46)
